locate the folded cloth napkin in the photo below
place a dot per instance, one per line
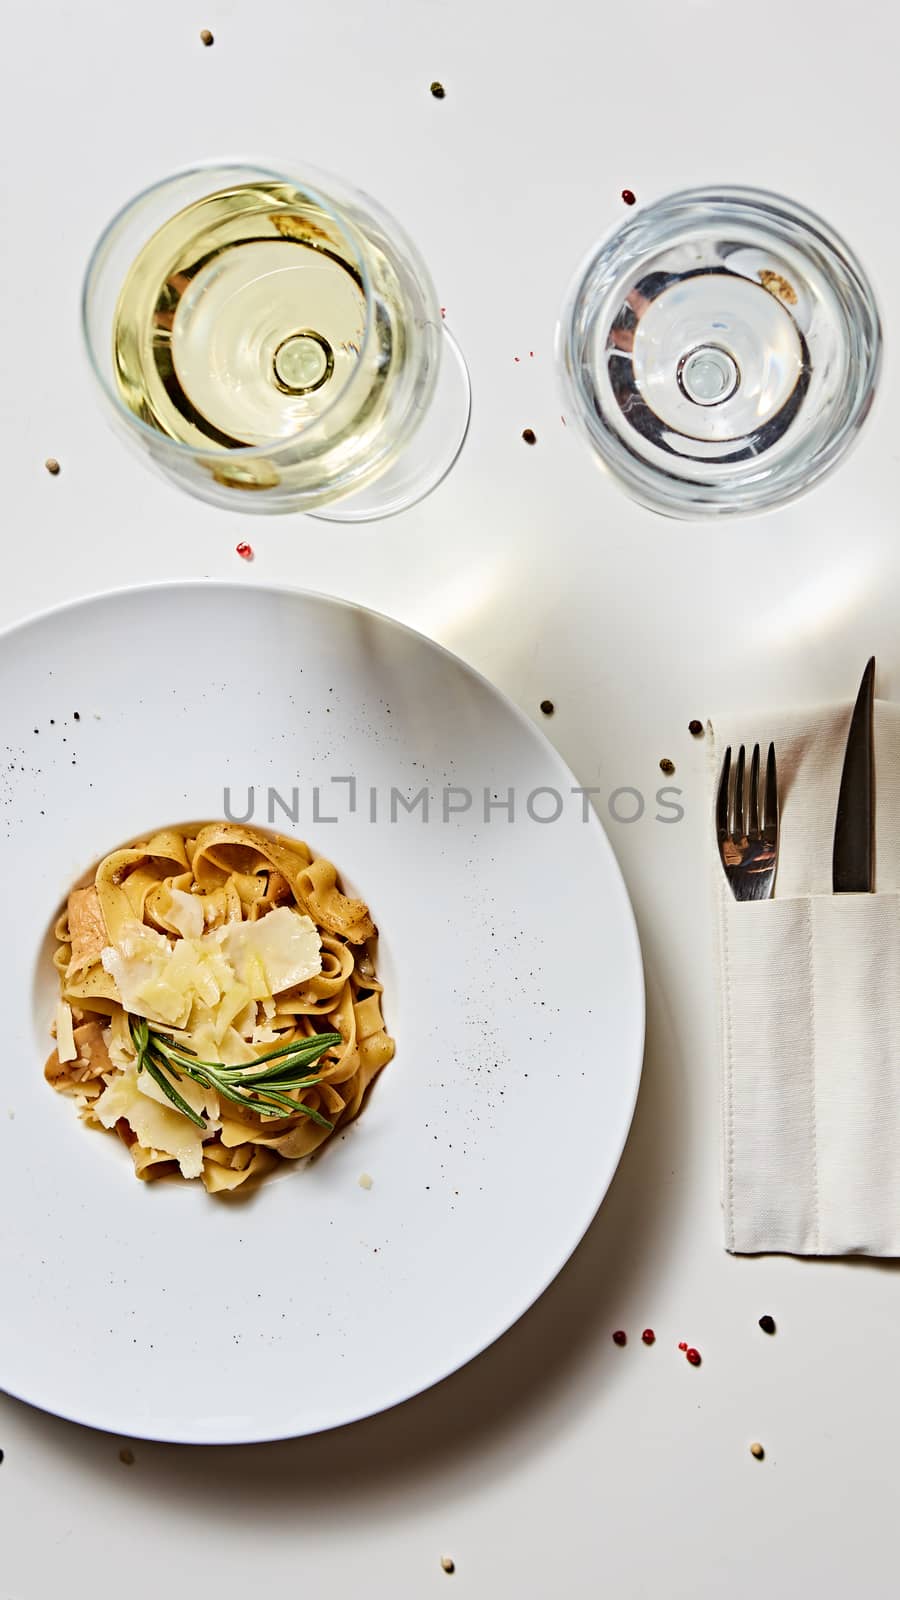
(810, 1008)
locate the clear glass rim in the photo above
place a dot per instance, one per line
(260, 170)
(683, 496)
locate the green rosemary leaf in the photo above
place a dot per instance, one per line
(185, 1063)
(177, 1044)
(283, 1107)
(222, 1078)
(260, 1089)
(227, 1093)
(316, 1116)
(140, 1037)
(290, 1057)
(291, 1109)
(286, 1076)
(311, 1047)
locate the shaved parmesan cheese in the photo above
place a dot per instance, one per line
(156, 1127)
(141, 967)
(245, 1022)
(265, 1035)
(118, 1041)
(222, 970)
(207, 989)
(65, 1036)
(182, 911)
(229, 1048)
(275, 953)
(235, 1051)
(232, 1003)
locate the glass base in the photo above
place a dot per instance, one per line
(428, 457)
(721, 350)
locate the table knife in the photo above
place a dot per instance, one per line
(852, 860)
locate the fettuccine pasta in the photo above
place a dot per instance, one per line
(219, 1008)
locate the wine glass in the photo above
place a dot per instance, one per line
(721, 350)
(273, 342)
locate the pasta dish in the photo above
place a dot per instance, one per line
(219, 1008)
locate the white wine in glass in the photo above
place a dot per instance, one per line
(259, 339)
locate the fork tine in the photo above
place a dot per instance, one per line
(753, 797)
(771, 822)
(722, 797)
(737, 830)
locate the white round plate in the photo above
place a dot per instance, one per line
(513, 987)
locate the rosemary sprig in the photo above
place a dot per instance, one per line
(261, 1085)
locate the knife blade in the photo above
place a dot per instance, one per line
(852, 858)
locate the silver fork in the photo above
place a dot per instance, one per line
(747, 826)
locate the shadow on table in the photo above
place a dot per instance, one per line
(522, 1388)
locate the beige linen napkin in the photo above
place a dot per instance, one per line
(810, 1009)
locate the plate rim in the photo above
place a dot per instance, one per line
(633, 955)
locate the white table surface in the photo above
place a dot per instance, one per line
(556, 1463)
